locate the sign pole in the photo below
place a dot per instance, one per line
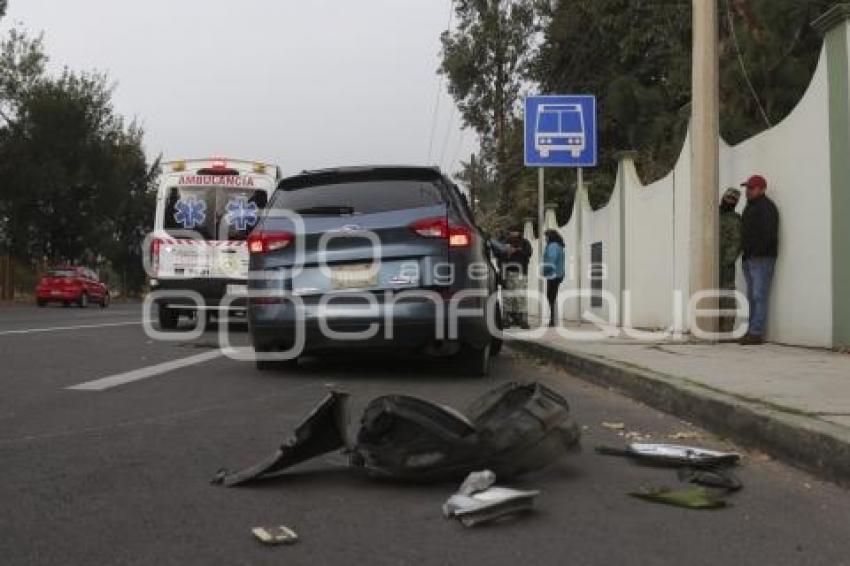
(579, 210)
(560, 131)
(541, 196)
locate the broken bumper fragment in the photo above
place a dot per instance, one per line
(514, 429)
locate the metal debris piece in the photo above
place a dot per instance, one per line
(323, 431)
(275, 535)
(477, 501)
(614, 426)
(674, 455)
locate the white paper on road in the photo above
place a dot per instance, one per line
(145, 372)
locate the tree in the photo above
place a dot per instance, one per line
(484, 60)
(22, 61)
(635, 56)
(76, 184)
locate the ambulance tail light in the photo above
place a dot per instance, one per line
(156, 246)
(265, 242)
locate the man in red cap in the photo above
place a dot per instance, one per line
(760, 246)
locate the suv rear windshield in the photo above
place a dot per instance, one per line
(359, 197)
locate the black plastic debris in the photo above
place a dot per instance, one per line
(514, 429)
(719, 478)
(323, 431)
(478, 501)
(403, 437)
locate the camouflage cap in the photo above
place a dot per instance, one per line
(732, 193)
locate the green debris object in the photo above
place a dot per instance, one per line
(691, 498)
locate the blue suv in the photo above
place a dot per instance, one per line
(371, 258)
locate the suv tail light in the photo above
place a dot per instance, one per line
(460, 237)
(265, 242)
(439, 227)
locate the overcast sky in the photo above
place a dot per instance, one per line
(302, 83)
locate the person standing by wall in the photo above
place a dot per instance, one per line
(515, 267)
(554, 271)
(730, 249)
(760, 246)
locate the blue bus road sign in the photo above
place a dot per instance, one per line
(560, 131)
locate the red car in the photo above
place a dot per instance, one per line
(67, 284)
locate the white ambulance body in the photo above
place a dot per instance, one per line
(205, 209)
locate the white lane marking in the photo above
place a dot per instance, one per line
(145, 372)
(58, 328)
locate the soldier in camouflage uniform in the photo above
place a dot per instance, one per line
(730, 249)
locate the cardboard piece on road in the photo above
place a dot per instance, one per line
(479, 501)
(275, 535)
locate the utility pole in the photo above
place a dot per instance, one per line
(705, 169)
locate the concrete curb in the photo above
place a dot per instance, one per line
(801, 440)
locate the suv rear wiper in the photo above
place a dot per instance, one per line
(329, 210)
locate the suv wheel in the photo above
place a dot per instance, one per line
(168, 318)
(476, 361)
(41, 302)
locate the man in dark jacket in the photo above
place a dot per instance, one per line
(760, 247)
(515, 267)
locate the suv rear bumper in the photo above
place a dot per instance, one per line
(407, 324)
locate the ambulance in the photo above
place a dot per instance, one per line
(198, 255)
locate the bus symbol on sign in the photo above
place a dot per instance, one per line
(560, 127)
(560, 131)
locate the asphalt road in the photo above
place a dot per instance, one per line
(118, 473)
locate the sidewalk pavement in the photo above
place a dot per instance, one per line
(792, 403)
